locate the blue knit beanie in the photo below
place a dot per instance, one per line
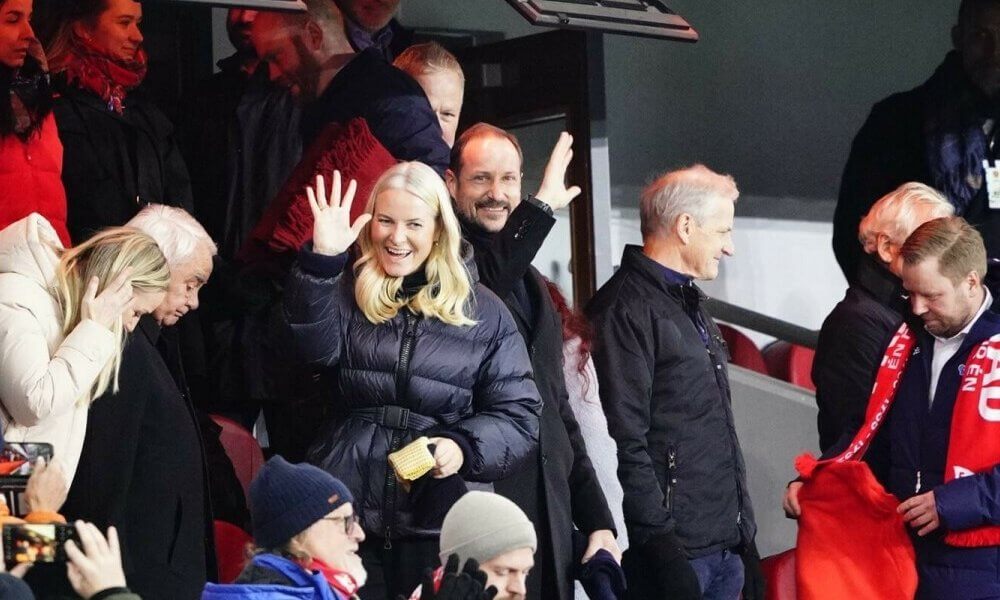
(285, 499)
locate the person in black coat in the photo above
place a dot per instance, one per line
(661, 365)
(938, 134)
(558, 486)
(120, 152)
(144, 466)
(312, 56)
(417, 348)
(854, 335)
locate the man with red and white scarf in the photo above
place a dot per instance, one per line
(932, 430)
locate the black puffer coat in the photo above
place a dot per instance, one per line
(471, 384)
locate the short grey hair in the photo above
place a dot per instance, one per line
(895, 214)
(176, 232)
(682, 191)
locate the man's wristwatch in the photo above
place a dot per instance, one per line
(530, 199)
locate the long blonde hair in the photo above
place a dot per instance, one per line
(105, 256)
(446, 296)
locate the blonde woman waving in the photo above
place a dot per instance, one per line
(417, 348)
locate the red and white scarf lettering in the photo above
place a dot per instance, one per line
(974, 443)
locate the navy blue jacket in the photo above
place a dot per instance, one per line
(915, 440)
(390, 101)
(474, 382)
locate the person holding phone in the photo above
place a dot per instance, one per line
(417, 348)
(64, 315)
(30, 151)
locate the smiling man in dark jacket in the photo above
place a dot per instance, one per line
(661, 364)
(557, 487)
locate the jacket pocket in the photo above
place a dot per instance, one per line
(178, 521)
(671, 478)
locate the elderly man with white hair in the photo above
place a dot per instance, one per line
(858, 329)
(144, 466)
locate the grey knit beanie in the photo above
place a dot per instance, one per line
(483, 526)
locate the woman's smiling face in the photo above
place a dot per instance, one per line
(403, 232)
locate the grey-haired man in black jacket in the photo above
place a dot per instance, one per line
(661, 364)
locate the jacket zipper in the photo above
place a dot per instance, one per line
(727, 407)
(402, 382)
(916, 490)
(671, 477)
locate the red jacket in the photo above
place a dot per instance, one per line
(31, 178)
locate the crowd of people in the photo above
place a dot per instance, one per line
(443, 423)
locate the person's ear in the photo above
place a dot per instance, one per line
(884, 248)
(80, 30)
(313, 35)
(451, 181)
(956, 36)
(682, 227)
(973, 280)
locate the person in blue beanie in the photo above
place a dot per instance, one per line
(307, 536)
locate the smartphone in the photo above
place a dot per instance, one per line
(31, 543)
(18, 459)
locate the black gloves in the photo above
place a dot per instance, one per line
(753, 577)
(674, 576)
(468, 584)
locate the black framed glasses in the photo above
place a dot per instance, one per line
(349, 521)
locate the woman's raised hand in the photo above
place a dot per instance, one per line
(333, 232)
(108, 307)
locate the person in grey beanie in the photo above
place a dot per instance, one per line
(495, 533)
(307, 536)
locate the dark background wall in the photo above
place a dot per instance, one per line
(773, 93)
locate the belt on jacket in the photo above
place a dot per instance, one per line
(395, 417)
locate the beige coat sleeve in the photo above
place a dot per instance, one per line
(34, 384)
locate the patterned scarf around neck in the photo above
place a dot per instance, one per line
(94, 70)
(954, 114)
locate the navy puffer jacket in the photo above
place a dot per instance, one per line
(471, 384)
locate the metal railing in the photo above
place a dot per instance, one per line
(783, 330)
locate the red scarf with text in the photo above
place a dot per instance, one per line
(92, 69)
(974, 442)
(340, 581)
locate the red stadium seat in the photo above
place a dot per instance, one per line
(242, 449)
(779, 571)
(230, 550)
(742, 350)
(790, 362)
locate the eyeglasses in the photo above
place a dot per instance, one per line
(349, 521)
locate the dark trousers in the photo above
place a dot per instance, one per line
(397, 570)
(720, 575)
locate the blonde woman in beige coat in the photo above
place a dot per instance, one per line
(64, 315)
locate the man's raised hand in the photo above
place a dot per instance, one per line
(333, 232)
(553, 190)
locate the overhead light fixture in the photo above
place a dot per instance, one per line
(647, 18)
